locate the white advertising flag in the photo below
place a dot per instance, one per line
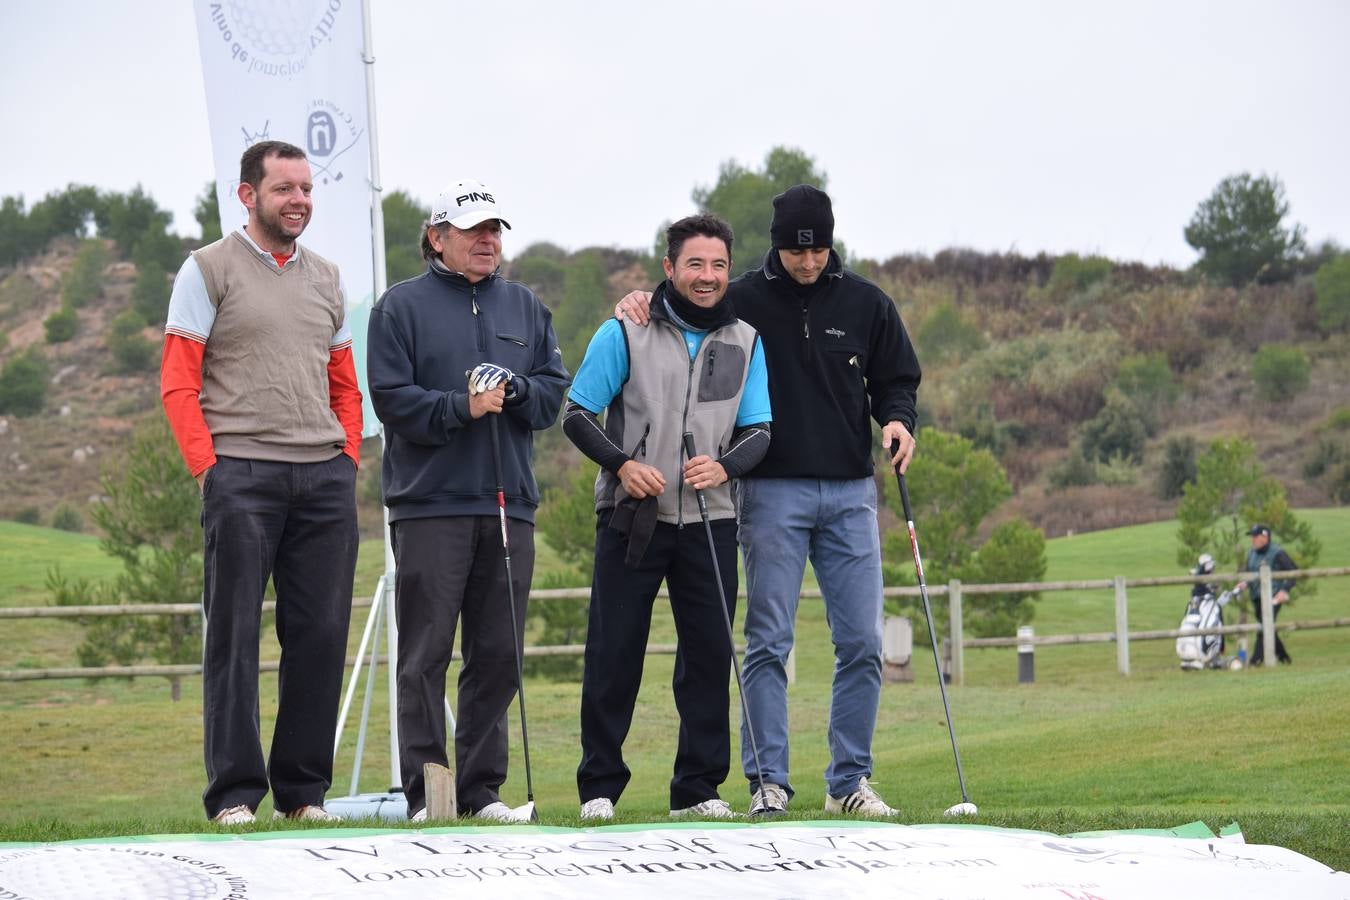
(292, 70)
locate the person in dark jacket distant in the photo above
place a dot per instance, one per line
(838, 358)
(425, 334)
(1265, 552)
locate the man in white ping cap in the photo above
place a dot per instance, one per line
(425, 334)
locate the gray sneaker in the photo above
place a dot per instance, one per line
(307, 813)
(708, 809)
(769, 801)
(863, 802)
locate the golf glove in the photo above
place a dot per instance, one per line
(486, 376)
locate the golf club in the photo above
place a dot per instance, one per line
(726, 616)
(965, 807)
(528, 812)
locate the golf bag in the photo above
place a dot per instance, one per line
(1205, 610)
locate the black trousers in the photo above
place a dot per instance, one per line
(1259, 656)
(616, 644)
(296, 524)
(452, 569)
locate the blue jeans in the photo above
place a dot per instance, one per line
(785, 521)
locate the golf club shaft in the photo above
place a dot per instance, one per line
(511, 601)
(726, 616)
(932, 632)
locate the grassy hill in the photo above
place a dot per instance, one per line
(1083, 748)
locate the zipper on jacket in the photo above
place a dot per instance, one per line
(641, 448)
(684, 426)
(806, 323)
(477, 319)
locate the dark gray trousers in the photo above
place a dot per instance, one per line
(296, 524)
(452, 569)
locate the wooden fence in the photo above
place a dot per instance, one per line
(954, 591)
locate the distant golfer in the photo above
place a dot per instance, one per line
(259, 386)
(838, 359)
(697, 369)
(425, 333)
(1265, 552)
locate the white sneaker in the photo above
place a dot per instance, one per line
(419, 816)
(308, 813)
(500, 812)
(862, 802)
(708, 809)
(599, 808)
(769, 801)
(235, 815)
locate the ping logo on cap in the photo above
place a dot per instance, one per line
(474, 197)
(806, 237)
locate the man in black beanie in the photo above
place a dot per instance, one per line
(837, 352)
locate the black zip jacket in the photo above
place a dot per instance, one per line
(836, 353)
(424, 334)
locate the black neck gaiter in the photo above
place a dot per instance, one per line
(698, 318)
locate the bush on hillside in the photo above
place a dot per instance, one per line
(1073, 274)
(1117, 430)
(67, 518)
(1178, 467)
(83, 281)
(150, 293)
(1146, 379)
(60, 326)
(17, 293)
(1332, 284)
(28, 515)
(1075, 470)
(131, 351)
(23, 383)
(1280, 372)
(946, 334)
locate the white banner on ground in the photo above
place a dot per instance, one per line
(292, 70)
(809, 859)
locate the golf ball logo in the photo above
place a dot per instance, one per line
(276, 38)
(116, 871)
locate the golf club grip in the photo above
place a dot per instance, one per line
(689, 451)
(904, 491)
(496, 456)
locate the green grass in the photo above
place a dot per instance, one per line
(1082, 749)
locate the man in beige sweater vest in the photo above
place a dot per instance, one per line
(260, 388)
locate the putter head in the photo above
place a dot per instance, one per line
(527, 813)
(963, 809)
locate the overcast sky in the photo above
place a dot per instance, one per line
(1027, 126)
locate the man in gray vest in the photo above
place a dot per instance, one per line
(697, 369)
(260, 389)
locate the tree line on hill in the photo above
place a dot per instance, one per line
(1022, 356)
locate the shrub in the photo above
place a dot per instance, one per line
(84, 279)
(946, 334)
(23, 383)
(1178, 467)
(1280, 372)
(1146, 379)
(60, 325)
(1325, 454)
(1074, 471)
(130, 349)
(1074, 273)
(28, 515)
(150, 293)
(17, 293)
(1332, 284)
(1339, 420)
(1338, 482)
(67, 518)
(1118, 430)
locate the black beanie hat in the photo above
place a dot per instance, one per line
(802, 219)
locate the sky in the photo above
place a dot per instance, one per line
(1000, 126)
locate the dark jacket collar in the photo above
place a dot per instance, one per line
(773, 268)
(439, 269)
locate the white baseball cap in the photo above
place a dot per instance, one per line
(466, 203)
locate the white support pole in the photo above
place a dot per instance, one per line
(1122, 627)
(954, 616)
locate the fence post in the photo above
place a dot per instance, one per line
(954, 614)
(1267, 618)
(1122, 628)
(1026, 654)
